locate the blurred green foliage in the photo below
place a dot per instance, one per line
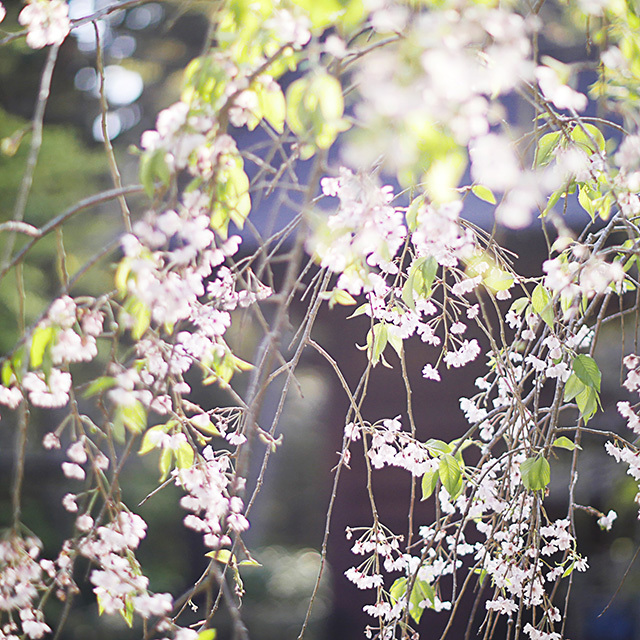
(66, 172)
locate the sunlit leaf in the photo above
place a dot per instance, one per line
(542, 304)
(40, 341)
(536, 473)
(546, 146)
(429, 483)
(450, 475)
(484, 193)
(564, 443)
(99, 385)
(223, 556)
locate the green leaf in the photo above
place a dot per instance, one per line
(122, 274)
(398, 589)
(127, 613)
(134, 416)
(542, 305)
(429, 269)
(429, 483)
(586, 369)
(422, 591)
(586, 135)
(564, 443)
(6, 374)
(148, 444)
(273, 106)
(412, 212)
(361, 310)
(98, 385)
(450, 475)
(553, 200)
(498, 280)
(587, 402)
(184, 456)
(546, 147)
(377, 340)
(484, 193)
(18, 361)
(40, 341)
(117, 429)
(141, 319)
(207, 427)
(569, 570)
(165, 463)
(407, 292)
(438, 447)
(339, 296)
(519, 305)
(396, 342)
(146, 174)
(573, 387)
(536, 473)
(224, 556)
(585, 200)
(249, 563)
(153, 166)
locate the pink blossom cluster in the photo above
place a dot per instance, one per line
(390, 446)
(440, 234)
(47, 22)
(382, 550)
(364, 234)
(521, 559)
(170, 255)
(118, 580)
(178, 134)
(73, 468)
(467, 58)
(632, 384)
(577, 272)
(214, 512)
(74, 340)
(21, 579)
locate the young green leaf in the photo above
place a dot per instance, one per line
(484, 193)
(429, 483)
(542, 304)
(40, 341)
(6, 374)
(98, 385)
(564, 443)
(133, 416)
(588, 401)
(184, 456)
(587, 370)
(450, 475)
(223, 556)
(398, 589)
(546, 147)
(573, 387)
(519, 305)
(536, 473)
(421, 593)
(150, 440)
(437, 447)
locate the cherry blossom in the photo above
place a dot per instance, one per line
(47, 22)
